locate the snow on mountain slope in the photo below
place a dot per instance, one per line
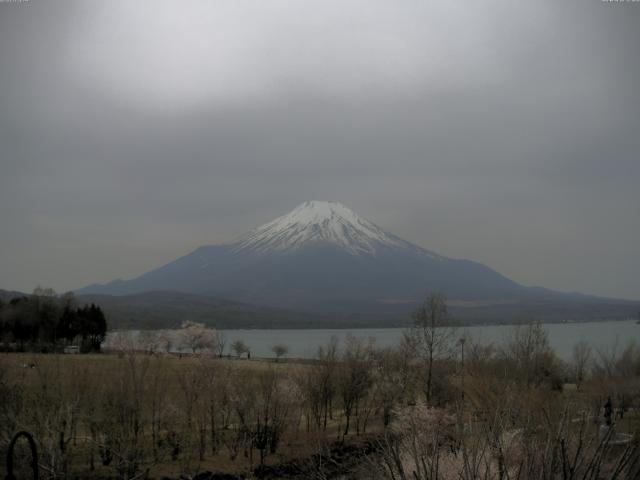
(316, 222)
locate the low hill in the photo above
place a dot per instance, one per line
(167, 309)
(7, 295)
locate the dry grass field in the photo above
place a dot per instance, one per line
(355, 412)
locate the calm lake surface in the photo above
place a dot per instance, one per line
(304, 343)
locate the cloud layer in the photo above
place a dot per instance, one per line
(132, 132)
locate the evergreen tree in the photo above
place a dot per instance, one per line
(43, 320)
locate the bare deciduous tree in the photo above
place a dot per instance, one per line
(354, 378)
(581, 358)
(240, 348)
(273, 402)
(433, 334)
(279, 350)
(221, 341)
(529, 354)
(392, 379)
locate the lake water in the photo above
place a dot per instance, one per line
(305, 343)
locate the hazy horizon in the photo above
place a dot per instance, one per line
(132, 133)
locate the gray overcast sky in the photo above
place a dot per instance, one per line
(500, 131)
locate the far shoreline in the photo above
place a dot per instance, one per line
(396, 326)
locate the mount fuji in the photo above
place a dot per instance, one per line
(322, 256)
(319, 254)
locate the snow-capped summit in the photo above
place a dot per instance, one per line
(319, 222)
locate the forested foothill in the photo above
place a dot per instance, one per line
(46, 322)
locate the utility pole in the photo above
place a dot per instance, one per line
(462, 340)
